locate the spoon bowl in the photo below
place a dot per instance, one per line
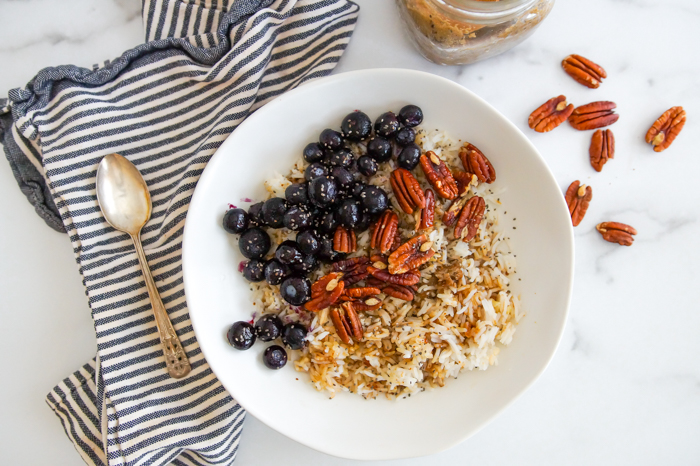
(122, 194)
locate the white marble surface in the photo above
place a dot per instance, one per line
(624, 386)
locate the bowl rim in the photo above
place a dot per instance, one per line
(352, 75)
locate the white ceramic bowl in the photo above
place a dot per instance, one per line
(349, 426)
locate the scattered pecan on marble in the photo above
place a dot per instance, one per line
(475, 162)
(602, 148)
(439, 176)
(584, 71)
(346, 322)
(593, 115)
(470, 218)
(616, 232)
(325, 292)
(411, 255)
(407, 190)
(578, 196)
(344, 240)
(550, 114)
(384, 231)
(427, 215)
(666, 128)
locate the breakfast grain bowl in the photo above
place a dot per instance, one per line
(379, 260)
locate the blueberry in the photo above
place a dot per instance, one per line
(340, 158)
(356, 126)
(254, 271)
(235, 221)
(326, 252)
(357, 189)
(269, 327)
(349, 213)
(288, 253)
(386, 125)
(307, 241)
(330, 139)
(323, 191)
(273, 212)
(296, 290)
(328, 223)
(293, 335)
(374, 200)
(315, 170)
(343, 177)
(241, 335)
(275, 357)
(367, 165)
(298, 218)
(307, 265)
(255, 215)
(275, 272)
(405, 136)
(365, 221)
(411, 115)
(409, 156)
(379, 149)
(254, 243)
(297, 193)
(313, 152)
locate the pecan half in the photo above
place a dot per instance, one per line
(578, 196)
(475, 162)
(362, 291)
(666, 128)
(385, 231)
(602, 148)
(584, 71)
(399, 292)
(325, 291)
(470, 218)
(427, 215)
(407, 190)
(344, 240)
(550, 114)
(346, 322)
(616, 232)
(439, 176)
(463, 180)
(411, 255)
(450, 216)
(411, 277)
(355, 269)
(593, 115)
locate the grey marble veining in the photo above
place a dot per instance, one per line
(624, 386)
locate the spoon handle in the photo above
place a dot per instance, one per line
(175, 357)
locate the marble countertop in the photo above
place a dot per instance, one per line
(624, 386)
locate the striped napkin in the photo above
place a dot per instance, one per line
(166, 105)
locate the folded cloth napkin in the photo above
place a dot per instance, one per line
(166, 105)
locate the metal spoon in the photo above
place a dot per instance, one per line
(126, 204)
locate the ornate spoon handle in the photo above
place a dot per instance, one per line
(175, 357)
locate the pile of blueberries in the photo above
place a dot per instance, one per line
(335, 192)
(242, 335)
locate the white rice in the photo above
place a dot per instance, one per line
(462, 314)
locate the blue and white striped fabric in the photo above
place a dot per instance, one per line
(166, 105)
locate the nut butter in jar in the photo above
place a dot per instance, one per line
(458, 32)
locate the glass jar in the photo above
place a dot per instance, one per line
(457, 32)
